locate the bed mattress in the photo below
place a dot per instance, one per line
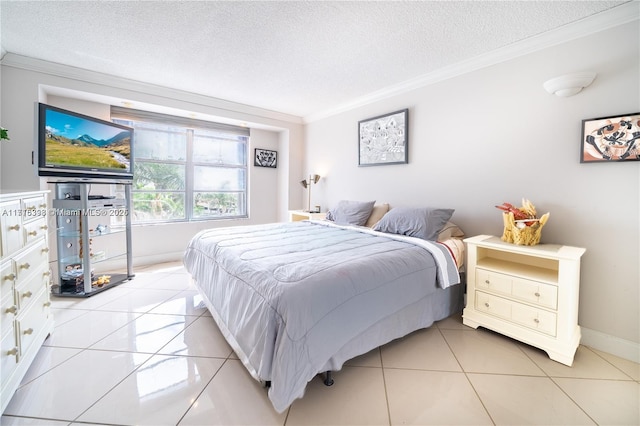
(296, 298)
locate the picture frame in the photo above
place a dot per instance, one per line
(265, 158)
(384, 139)
(611, 139)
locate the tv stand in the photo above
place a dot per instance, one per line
(93, 238)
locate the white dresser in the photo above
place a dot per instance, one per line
(529, 293)
(25, 315)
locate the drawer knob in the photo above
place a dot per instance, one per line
(13, 351)
(25, 266)
(44, 227)
(46, 274)
(15, 227)
(45, 250)
(32, 233)
(536, 294)
(47, 304)
(28, 331)
(12, 310)
(27, 294)
(486, 304)
(487, 282)
(42, 206)
(536, 320)
(10, 277)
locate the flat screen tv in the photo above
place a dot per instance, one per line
(76, 146)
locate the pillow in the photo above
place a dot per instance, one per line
(423, 223)
(450, 230)
(351, 212)
(376, 214)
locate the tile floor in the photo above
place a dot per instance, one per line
(147, 353)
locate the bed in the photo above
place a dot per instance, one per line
(301, 298)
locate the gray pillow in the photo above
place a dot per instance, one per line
(351, 212)
(423, 223)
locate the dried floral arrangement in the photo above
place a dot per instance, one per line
(521, 224)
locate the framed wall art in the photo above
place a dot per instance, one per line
(384, 139)
(610, 139)
(265, 158)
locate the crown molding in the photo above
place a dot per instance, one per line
(101, 79)
(620, 15)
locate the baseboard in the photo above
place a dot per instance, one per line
(613, 345)
(157, 258)
(140, 261)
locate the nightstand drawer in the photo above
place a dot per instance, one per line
(528, 316)
(534, 292)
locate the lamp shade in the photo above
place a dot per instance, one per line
(569, 84)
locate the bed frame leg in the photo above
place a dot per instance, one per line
(328, 380)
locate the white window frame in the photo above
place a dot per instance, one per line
(129, 117)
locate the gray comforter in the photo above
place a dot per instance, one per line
(288, 297)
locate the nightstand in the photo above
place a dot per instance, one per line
(529, 293)
(295, 215)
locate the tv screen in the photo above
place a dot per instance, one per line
(74, 145)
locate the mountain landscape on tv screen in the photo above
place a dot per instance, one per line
(86, 151)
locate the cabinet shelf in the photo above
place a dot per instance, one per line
(519, 269)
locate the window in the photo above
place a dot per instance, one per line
(186, 169)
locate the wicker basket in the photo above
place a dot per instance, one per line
(526, 236)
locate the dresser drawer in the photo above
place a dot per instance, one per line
(11, 231)
(7, 277)
(9, 354)
(534, 292)
(35, 229)
(31, 321)
(34, 208)
(28, 289)
(32, 258)
(528, 316)
(8, 311)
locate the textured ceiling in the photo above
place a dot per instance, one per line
(299, 58)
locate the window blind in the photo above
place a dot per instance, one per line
(154, 117)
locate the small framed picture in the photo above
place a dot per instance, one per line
(265, 158)
(384, 139)
(611, 139)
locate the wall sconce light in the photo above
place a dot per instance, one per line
(569, 84)
(307, 184)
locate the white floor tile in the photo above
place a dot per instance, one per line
(67, 390)
(233, 398)
(139, 300)
(586, 364)
(356, 397)
(421, 350)
(519, 400)
(47, 358)
(482, 351)
(187, 302)
(88, 329)
(147, 333)
(157, 393)
(608, 402)
(201, 338)
(432, 398)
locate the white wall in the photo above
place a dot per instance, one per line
(25, 82)
(495, 135)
